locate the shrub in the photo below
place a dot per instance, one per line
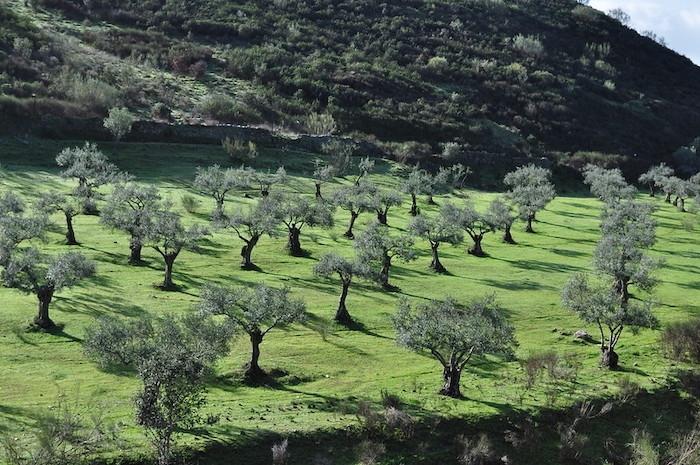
(479, 452)
(279, 452)
(218, 106)
(161, 111)
(368, 452)
(528, 45)
(628, 389)
(610, 85)
(681, 341)
(23, 47)
(240, 151)
(439, 64)
(390, 400)
(90, 93)
(119, 122)
(190, 203)
(451, 151)
(321, 124)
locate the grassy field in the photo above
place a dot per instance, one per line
(326, 368)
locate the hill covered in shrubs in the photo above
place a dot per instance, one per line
(533, 78)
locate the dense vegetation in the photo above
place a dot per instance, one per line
(551, 78)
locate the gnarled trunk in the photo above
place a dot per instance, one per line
(318, 191)
(609, 358)
(681, 204)
(70, 233)
(507, 236)
(675, 202)
(353, 216)
(622, 288)
(476, 249)
(342, 315)
(414, 205)
(42, 319)
(294, 244)
(168, 279)
(652, 191)
(382, 217)
(435, 263)
(253, 370)
(246, 253)
(529, 229)
(431, 201)
(135, 247)
(451, 376)
(384, 273)
(265, 192)
(668, 197)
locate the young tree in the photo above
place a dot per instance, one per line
(355, 199)
(265, 181)
(172, 358)
(416, 183)
(502, 216)
(376, 248)
(654, 177)
(91, 168)
(598, 303)
(346, 270)
(446, 180)
(477, 225)
(130, 208)
(364, 167)
(256, 310)
(679, 188)
(167, 236)
(298, 211)
(16, 226)
(51, 202)
(251, 224)
(609, 186)
(322, 174)
(382, 201)
(341, 155)
(627, 231)
(453, 334)
(119, 122)
(216, 182)
(443, 227)
(530, 189)
(32, 272)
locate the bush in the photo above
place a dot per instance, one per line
(528, 45)
(681, 341)
(321, 124)
(90, 93)
(479, 452)
(368, 452)
(220, 107)
(23, 47)
(279, 452)
(119, 122)
(240, 151)
(190, 203)
(628, 389)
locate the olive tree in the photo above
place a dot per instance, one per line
(256, 310)
(131, 208)
(323, 173)
(609, 185)
(501, 213)
(530, 189)
(251, 224)
(597, 303)
(454, 334)
(91, 169)
(340, 153)
(297, 211)
(119, 122)
(172, 358)
(333, 264)
(445, 227)
(678, 188)
(265, 180)
(654, 177)
(418, 182)
(30, 271)
(477, 225)
(376, 248)
(17, 225)
(169, 237)
(217, 182)
(51, 202)
(364, 167)
(383, 200)
(356, 199)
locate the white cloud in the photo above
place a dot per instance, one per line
(691, 18)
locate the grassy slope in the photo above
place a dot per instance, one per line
(329, 367)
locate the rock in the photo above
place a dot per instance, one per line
(582, 335)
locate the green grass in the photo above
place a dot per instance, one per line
(328, 367)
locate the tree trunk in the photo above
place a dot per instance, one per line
(476, 249)
(318, 191)
(382, 217)
(435, 264)
(668, 197)
(135, 247)
(652, 191)
(609, 358)
(353, 216)
(529, 224)
(414, 205)
(681, 205)
(294, 244)
(451, 377)
(431, 201)
(70, 233)
(384, 273)
(507, 236)
(246, 252)
(42, 319)
(342, 315)
(168, 279)
(622, 288)
(675, 202)
(219, 211)
(253, 370)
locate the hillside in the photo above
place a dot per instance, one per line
(544, 77)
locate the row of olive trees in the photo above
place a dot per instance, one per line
(662, 177)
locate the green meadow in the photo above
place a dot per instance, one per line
(321, 370)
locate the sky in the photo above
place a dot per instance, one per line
(678, 21)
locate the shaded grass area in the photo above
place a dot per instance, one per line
(327, 368)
